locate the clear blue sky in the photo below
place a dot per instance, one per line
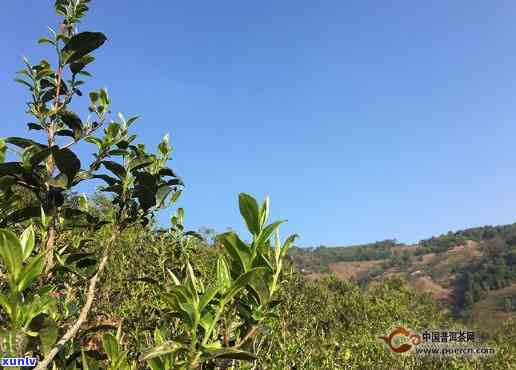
(363, 120)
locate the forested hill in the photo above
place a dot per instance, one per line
(318, 259)
(471, 271)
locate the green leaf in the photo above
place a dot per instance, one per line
(116, 168)
(40, 156)
(21, 214)
(22, 142)
(155, 364)
(6, 305)
(146, 197)
(3, 149)
(206, 321)
(68, 133)
(195, 234)
(45, 40)
(162, 194)
(67, 162)
(84, 73)
(28, 154)
(180, 300)
(242, 281)
(267, 232)
(164, 146)
(264, 212)
(43, 217)
(104, 99)
(116, 152)
(237, 249)
(79, 64)
(207, 297)
(250, 212)
(139, 163)
(167, 172)
(259, 287)
(72, 121)
(30, 272)
(110, 346)
(174, 278)
(223, 276)
(93, 354)
(47, 331)
(23, 82)
(11, 168)
(175, 196)
(192, 279)
(288, 243)
(11, 253)
(94, 97)
(131, 120)
(146, 179)
(60, 181)
(27, 241)
(159, 337)
(82, 44)
(164, 349)
(94, 140)
(84, 361)
(34, 126)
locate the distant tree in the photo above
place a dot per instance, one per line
(494, 248)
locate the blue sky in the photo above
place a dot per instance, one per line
(362, 120)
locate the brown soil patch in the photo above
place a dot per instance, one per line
(427, 285)
(459, 255)
(351, 270)
(406, 248)
(470, 249)
(427, 258)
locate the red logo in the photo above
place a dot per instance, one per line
(410, 341)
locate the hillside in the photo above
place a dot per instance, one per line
(470, 272)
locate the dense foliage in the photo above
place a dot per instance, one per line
(495, 270)
(318, 259)
(451, 239)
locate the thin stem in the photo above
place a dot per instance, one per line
(90, 294)
(58, 87)
(50, 242)
(49, 245)
(248, 336)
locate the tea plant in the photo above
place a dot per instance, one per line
(140, 182)
(218, 321)
(43, 312)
